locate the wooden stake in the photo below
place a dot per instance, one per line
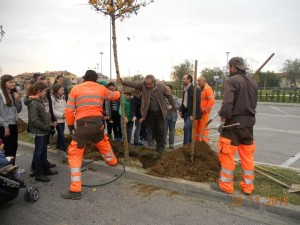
(194, 113)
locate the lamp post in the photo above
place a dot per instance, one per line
(227, 53)
(101, 53)
(110, 49)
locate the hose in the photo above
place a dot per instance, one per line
(109, 182)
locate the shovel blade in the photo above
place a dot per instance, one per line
(294, 188)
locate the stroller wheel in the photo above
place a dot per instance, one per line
(34, 194)
(27, 195)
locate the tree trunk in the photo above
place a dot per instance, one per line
(114, 38)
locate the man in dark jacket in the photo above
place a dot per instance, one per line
(136, 103)
(153, 108)
(186, 108)
(238, 118)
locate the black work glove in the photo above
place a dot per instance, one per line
(71, 129)
(220, 127)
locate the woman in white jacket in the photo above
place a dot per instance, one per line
(59, 105)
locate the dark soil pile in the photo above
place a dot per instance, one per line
(177, 163)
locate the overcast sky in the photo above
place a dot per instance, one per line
(47, 35)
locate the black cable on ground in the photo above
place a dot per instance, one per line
(109, 182)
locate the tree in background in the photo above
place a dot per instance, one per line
(267, 79)
(119, 9)
(291, 70)
(209, 75)
(138, 77)
(180, 71)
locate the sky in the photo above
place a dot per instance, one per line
(53, 35)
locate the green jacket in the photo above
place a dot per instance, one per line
(127, 104)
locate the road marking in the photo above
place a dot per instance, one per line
(291, 160)
(276, 130)
(274, 115)
(178, 143)
(280, 110)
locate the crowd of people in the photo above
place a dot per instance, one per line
(150, 107)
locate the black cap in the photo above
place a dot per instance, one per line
(238, 62)
(90, 75)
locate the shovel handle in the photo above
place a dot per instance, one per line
(211, 119)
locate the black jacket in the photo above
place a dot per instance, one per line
(189, 108)
(136, 107)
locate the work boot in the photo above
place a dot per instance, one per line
(246, 193)
(216, 187)
(50, 172)
(138, 144)
(171, 146)
(51, 165)
(71, 195)
(42, 178)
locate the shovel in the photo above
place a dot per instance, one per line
(211, 119)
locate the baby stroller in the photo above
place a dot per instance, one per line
(10, 183)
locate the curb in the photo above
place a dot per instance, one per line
(195, 189)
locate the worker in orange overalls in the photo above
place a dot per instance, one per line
(207, 102)
(236, 130)
(85, 106)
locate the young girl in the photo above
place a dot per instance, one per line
(39, 128)
(59, 105)
(10, 106)
(48, 107)
(60, 80)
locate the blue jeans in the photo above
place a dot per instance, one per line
(187, 129)
(61, 142)
(137, 131)
(39, 160)
(170, 125)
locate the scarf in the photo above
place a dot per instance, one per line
(185, 97)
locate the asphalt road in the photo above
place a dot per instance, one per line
(122, 202)
(276, 133)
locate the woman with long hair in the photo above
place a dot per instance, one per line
(60, 80)
(59, 105)
(10, 106)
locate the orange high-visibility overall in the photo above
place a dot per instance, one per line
(85, 106)
(226, 152)
(207, 102)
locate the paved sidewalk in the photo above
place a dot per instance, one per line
(194, 189)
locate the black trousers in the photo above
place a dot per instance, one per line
(239, 136)
(10, 142)
(115, 126)
(156, 121)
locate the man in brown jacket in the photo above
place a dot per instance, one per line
(153, 108)
(238, 116)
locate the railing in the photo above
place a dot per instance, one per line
(276, 94)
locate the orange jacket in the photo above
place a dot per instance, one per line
(86, 100)
(207, 99)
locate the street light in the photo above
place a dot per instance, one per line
(101, 53)
(227, 53)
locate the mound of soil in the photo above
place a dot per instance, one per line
(177, 163)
